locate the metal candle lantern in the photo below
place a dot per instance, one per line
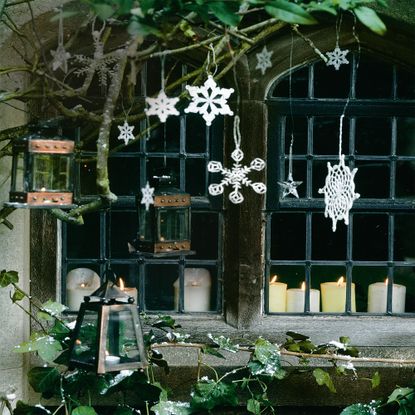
(108, 334)
(164, 228)
(42, 170)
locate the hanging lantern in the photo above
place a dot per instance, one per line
(108, 336)
(42, 169)
(164, 225)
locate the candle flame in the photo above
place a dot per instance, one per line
(274, 278)
(121, 283)
(107, 353)
(386, 281)
(83, 285)
(303, 286)
(43, 189)
(340, 281)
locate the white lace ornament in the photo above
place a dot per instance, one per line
(237, 175)
(209, 100)
(337, 57)
(339, 189)
(264, 60)
(126, 132)
(60, 55)
(147, 198)
(290, 186)
(162, 106)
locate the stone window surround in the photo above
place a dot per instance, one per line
(243, 318)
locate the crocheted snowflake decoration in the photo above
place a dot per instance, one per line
(264, 60)
(337, 57)
(162, 106)
(99, 63)
(209, 100)
(60, 58)
(126, 132)
(147, 198)
(339, 193)
(236, 177)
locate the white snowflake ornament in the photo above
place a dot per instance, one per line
(147, 198)
(236, 177)
(264, 60)
(339, 192)
(126, 132)
(162, 106)
(209, 100)
(337, 57)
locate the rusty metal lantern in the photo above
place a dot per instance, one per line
(42, 169)
(107, 335)
(164, 228)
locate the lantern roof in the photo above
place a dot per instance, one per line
(109, 292)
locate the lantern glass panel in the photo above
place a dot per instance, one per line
(51, 172)
(121, 340)
(146, 229)
(85, 346)
(172, 224)
(19, 178)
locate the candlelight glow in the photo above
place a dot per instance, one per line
(386, 281)
(340, 281)
(303, 286)
(274, 279)
(83, 285)
(121, 283)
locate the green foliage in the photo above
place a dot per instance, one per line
(171, 408)
(224, 343)
(24, 409)
(289, 12)
(369, 18)
(18, 295)
(323, 378)
(46, 346)
(8, 277)
(375, 381)
(44, 380)
(360, 409)
(84, 410)
(208, 394)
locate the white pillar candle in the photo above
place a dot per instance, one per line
(333, 296)
(296, 299)
(80, 282)
(277, 296)
(377, 297)
(197, 288)
(130, 291)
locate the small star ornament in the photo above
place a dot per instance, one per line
(289, 187)
(60, 55)
(337, 57)
(162, 106)
(126, 132)
(264, 60)
(147, 198)
(209, 100)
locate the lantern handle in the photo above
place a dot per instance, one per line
(109, 275)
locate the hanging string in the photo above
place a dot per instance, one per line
(290, 160)
(208, 63)
(163, 85)
(60, 33)
(163, 63)
(338, 27)
(236, 132)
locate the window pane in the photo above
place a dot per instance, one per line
(406, 84)
(87, 174)
(326, 244)
(83, 241)
(331, 83)
(405, 277)
(204, 235)
(405, 136)
(123, 231)
(121, 168)
(320, 172)
(404, 244)
(195, 134)
(370, 237)
(373, 136)
(288, 236)
(298, 127)
(326, 135)
(157, 164)
(159, 289)
(196, 177)
(166, 137)
(374, 78)
(405, 179)
(299, 174)
(299, 85)
(372, 179)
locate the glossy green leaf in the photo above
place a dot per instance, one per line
(171, 408)
(165, 322)
(253, 406)
(18, 295)
(46, 346)
(123, 410)
(212, 351)
(8, 277)
(53, 308)
(84, 410)
(208, 394)
(297, 336)
(44, 380)
(369, 18)
(289, 12)
(359, 409)
(375, 380)
(224, 343)
(103, 11)
(226, 11)
(323, 378)
(398, 393)
(24, 409)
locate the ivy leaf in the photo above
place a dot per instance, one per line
(254, 406)
(123, 410)
(266, 359)
(44, 380)
(46, 346)
(297, 336)
(289, 12)
(53, 308)
(208, 394)
(369, 18)
(226, 12)
(103, 11)
(323, 378)
(59, 330)
(171, 408)
(84, 410)
(165, 322)
(224, 343)
(345, 340)
(360, 409)
(398, 393)
(8, 277)
(18, 295)
(375, 380)
(24, 409)
(212, 351)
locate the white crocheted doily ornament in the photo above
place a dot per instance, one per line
(162, 106)
(264, 60)
(147, 198)
(126, 132)
(236, 177)
(209, 100)
(339, 192)
(337, 57)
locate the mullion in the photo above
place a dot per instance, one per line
(268, 262)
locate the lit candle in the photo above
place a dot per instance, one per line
(80, 282)
(277, 296)
(130, 291)
(377, 297)
(111, 360)
(333, 296)
(197, 287)
(296, 298)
